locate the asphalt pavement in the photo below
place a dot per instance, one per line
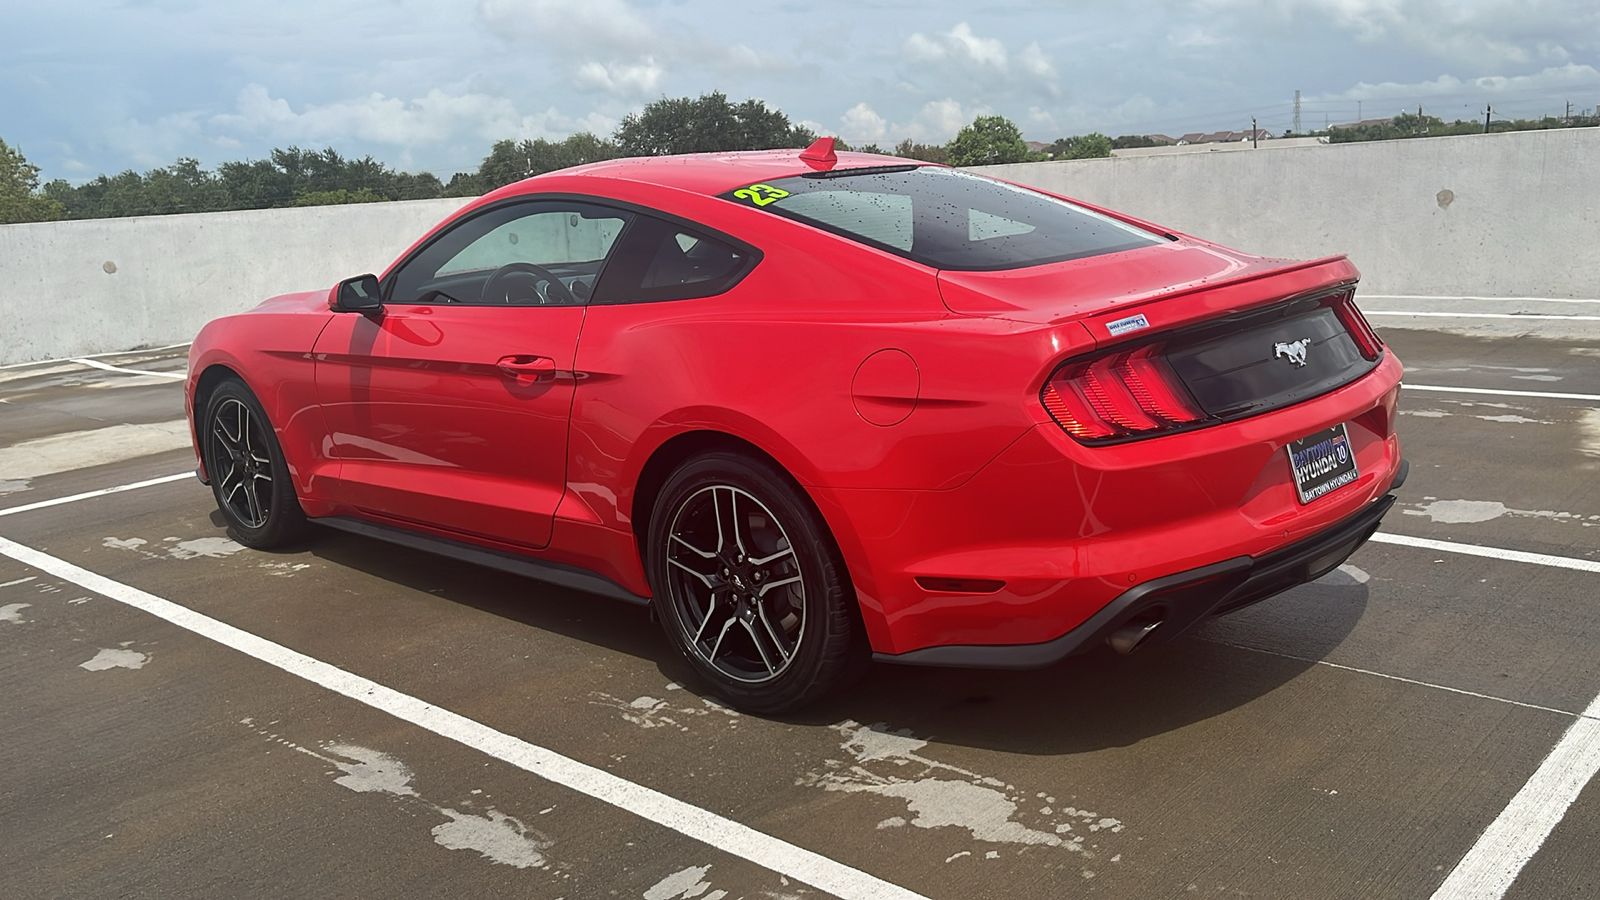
(184, 717)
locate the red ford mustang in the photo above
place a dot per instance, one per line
(821, 408)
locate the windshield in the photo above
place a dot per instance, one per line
(945, 218)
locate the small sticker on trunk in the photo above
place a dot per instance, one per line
(1122, 326)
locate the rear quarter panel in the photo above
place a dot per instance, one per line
(773, 361)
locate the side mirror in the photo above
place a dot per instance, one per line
(360, 294)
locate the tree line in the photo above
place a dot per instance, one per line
(1407, 125)
(299, 177)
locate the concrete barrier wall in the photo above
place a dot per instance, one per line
(1480, 215)
(1499, 215)
(100, 285)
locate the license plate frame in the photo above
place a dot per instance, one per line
(1321, 463)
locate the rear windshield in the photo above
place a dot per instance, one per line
(944, 218)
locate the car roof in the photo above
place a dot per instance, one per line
(715, 173)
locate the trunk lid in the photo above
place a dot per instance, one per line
(1172, 285)
(1235, 334)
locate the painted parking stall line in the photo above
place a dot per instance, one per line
(1511, 840)
(107, 367)
(82, 357)
(1480, 299)
(715, 831)
(90, 495)
(1538, 559)
(1548, 395)
(1477, 315)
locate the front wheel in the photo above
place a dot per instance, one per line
(749, 585)
(249, 476)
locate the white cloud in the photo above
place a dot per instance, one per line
(861, 124)
(937, 121)
(959, 44)
(1476, 31)
(615, 48)
(1448, 87)
(624, 79)
(1032, 61)
(434, 118)
(570, 26)
(960, 58)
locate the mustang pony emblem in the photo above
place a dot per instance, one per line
(1295, 350)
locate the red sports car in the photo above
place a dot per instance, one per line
(819, 408)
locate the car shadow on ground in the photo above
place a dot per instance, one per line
(1102, 699)
(1089, 702)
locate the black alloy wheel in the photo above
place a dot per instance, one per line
(749, 584)
(249, 477)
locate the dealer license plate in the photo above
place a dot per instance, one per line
(1322, 463)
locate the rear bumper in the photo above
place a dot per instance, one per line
(1177, 602)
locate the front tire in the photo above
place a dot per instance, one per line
(749, 584)
(249, 476)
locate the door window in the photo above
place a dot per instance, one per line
(541, 253)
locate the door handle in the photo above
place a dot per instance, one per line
(528, 369)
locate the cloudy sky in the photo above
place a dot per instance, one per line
(92, 86)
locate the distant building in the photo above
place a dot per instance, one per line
(1362, 123)
(1224, 137)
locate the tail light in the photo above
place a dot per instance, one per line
(1367, 340)
(1129, 393)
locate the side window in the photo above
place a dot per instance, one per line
(538, 253)
(661, 260)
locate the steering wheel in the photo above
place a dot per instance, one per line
(504, 281)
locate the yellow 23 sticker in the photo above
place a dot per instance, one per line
(761, 194)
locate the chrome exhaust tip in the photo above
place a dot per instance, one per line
(1127, 638)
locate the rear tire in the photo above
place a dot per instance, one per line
(249, 477)
(749, 585)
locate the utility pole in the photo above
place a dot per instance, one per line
(1297, 111)
(1487, 111)
(1255, 135)
(1358, 112)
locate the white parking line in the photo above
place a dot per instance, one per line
(1365, 297)
(715, 831)
(1472, 315)
(1550, 395)
(1492, 865)
(1505, 847)
(1538, 559)
(61, 359)
(89, 495)
(96, 364)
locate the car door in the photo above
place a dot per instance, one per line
(450, 407)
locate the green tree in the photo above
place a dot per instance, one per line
(706, 124)
(338, 197)
(20, 200)
(909, 149)
(509, 161)
(256, 184)
(1093, 145)
(989, 140)
(1405, 125)
(1130, 141)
